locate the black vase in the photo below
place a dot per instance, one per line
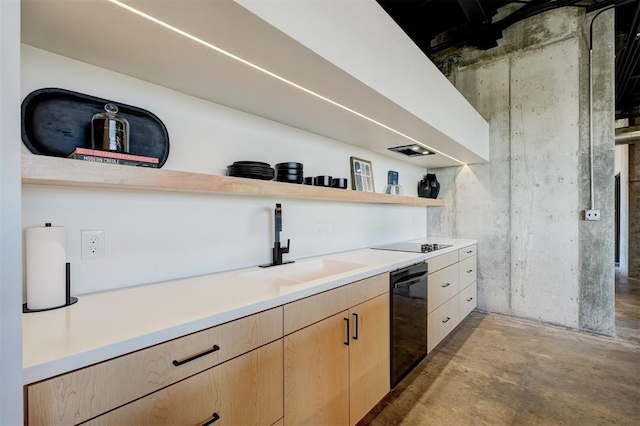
(429, 187)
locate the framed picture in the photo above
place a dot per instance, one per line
(361, 175)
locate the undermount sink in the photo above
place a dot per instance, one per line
(299, 272)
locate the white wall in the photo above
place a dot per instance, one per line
(153, 236)
(373, 56)
(10, 235)
(621, 166)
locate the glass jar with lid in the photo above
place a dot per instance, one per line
(110, 131)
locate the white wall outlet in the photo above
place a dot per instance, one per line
(592, 215)
(92, 245)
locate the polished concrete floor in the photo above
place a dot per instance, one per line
(497, 370)
(627, 308)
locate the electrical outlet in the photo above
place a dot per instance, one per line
(92, 245)
(592, 215)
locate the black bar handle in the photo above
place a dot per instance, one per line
(470, 299)
(213, 419)
(412, 277)
(447, 320)
(348, 333)
(68, 282)
(355, 337)
(403, 284)
(469, 271)
(196, 356)
(446, 285)
(470, 251)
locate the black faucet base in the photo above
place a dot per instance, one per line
(276, 264)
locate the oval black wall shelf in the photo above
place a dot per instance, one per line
(56, 121)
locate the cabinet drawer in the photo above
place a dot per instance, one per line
(443, 285)
(468, 273)
(442, 261)
(467, 252)
(468, 300)
(246, 390)
(363, 290)
(441, 321)
(80, 395)
(310, 310)
(304, 312)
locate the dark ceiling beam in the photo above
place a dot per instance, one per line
(473, 11)
(532, 9)
(628, 59)
(495, 29)
(606, 3)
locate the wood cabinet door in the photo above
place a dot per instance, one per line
(369, 356)
(246, 390)
(316, 374)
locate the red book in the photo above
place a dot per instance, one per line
(111, 154)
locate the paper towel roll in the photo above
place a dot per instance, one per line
(46, 271)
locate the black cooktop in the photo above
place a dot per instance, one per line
(412, 247)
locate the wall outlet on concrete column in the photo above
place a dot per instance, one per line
(592, 215)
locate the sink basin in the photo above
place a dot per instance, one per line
(299, 272)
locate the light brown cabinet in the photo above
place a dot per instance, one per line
(316, 374)
(337, 369)
(88, 392)
(244, 391)
(319, 360)
(369, 352)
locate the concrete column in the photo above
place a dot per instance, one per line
(634, 211)
(536, 257)
(597, 239)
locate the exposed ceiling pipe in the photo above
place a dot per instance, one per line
(627, 135)
(591, 180)
(626, 62)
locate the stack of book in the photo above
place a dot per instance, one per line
(110, 157)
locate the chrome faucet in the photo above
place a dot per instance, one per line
(278, 250)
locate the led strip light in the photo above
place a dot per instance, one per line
(269, 73)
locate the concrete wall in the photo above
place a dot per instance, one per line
(10, 235)
(537, 258)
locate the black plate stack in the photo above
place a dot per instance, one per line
(251, 170)
(289, 172)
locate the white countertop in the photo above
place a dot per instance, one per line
(112, 323)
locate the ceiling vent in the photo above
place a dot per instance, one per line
(411, 150)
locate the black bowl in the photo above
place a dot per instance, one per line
(290, 165)
(339, 183)
(289, 172)
(289, 178)
(251, 163)
(308, 181)
(322, 181)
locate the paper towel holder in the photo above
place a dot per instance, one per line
(70, 300)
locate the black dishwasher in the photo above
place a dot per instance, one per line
(408, 319)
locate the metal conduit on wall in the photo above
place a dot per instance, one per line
(627, 135)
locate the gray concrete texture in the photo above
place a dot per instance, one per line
(597, 240)
(494, 370)
(537, 258)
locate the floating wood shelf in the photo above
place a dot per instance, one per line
(42, 170)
